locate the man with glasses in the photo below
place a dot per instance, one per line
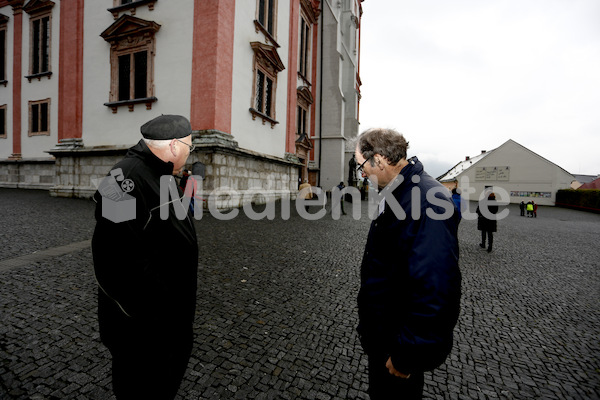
(409, 297)
(146, 269)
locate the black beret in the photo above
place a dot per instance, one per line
(166, 127)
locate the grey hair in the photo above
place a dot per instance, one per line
(157, 144)
(386, 142)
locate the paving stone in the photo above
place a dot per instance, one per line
(276, 310)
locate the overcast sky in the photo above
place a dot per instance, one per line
(457, 77)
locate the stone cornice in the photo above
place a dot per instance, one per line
(38, 6)
(269, 53)
(305, 95)
(17, 5)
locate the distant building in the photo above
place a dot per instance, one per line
(521, 173)
(271, 88)
(582, 180)
(595, 184)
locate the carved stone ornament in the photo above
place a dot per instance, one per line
(303, 145)
(311, 9)
(267, 56)
(305, 97)
(129, 28)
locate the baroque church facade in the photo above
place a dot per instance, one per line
(271, 88)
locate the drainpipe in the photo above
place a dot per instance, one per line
(321, 95)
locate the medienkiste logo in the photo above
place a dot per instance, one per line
(225, 203)
(117, 204)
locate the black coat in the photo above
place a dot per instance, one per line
(409, 298)
(146, 267)
(484, 223)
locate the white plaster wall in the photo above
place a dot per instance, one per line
(528, 172)
(34, 146)
(6, 92)
(252, 134)
(333, 164)
(172, 72)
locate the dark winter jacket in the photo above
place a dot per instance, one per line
(409, 298)
(457, 202)
(146, 267)
(484, 223)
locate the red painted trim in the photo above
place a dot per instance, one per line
(16, 82)
(292, 100)
(313, 80)
(3, 3)
(70, 70)
(212, 69)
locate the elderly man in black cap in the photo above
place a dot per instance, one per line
(146, 268)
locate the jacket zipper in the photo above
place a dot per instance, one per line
(110, 297)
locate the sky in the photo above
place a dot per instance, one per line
(457, 77)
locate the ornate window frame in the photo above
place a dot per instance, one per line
(3, 114)
(305, 101)
(302, 121)
(119, 6)
(266, 20)
(129, 36)
(40, 12)
(304, 49)
(3, 54)
(36, 117)
(266, 65)
(303, 132)
(309, 16)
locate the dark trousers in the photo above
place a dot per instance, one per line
(490, 236)
(384, 386)
(149, 373)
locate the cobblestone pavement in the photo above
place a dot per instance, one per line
(277, 308)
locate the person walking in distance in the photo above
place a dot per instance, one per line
(522, 208)
(409, 297)
(487, 223)
(341, 187)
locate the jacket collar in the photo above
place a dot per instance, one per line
(142, 151)
(414, 167)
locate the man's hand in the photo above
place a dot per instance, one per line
(394, 371)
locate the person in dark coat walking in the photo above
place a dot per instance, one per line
(487, 223)
(341, 187)
(522, 208)
(409, 298)
(146, 266)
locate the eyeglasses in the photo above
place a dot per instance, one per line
(360, 169)
(191, 146)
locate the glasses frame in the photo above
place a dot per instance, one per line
(191, 146)
(360, 169)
